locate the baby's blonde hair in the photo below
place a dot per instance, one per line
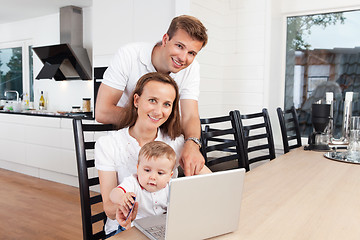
(156, 149)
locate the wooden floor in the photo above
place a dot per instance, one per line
(32, 208)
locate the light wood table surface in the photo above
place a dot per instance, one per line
(299, 195)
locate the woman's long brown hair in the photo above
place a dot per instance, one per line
(172, 125)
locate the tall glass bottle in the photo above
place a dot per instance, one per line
(347, 116)
(42, 101)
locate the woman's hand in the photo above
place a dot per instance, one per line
(121, 217)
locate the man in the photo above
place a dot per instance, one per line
(174, 55)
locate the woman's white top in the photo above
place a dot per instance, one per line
(118, 151)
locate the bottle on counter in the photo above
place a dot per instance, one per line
(26, 101)
(42, 101)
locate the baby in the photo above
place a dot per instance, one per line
(150, 185)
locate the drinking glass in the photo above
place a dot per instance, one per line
(354, 141)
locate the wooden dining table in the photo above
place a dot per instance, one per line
(298, 195)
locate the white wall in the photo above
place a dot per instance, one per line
(119, 22)
(233, 63)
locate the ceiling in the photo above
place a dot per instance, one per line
(16, 10)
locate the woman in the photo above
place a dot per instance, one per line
(152, 113)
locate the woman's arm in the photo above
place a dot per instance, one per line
(108, 181)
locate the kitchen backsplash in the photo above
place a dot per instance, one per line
(62, 95)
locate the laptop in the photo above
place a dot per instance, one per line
(200, 206)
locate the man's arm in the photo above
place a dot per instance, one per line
(191, 159)
(106, 110)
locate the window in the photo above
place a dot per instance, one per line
(322, 55)
(16, 68)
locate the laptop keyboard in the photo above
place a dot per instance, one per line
(157, 231)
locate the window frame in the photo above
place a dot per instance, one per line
(25, 46)
(285, 17)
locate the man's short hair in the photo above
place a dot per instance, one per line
(191, 25)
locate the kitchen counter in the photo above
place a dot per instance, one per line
(40, 145)
(83, 115)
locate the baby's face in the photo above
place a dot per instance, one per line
(153, 174)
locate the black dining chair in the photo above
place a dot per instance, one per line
(257, 137)
(92, 214)
(290, 129)
(220, 139)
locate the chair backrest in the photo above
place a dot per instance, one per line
(290, 129)
(221, 146)
(93, 216)
(257, 137)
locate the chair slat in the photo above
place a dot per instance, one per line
(93, 181)
(254, 126)
(99, 235)
(289, 138)
(258, 147)
(222, 160)
(291, 129)
(220, 140)
(97, 127)
(259, 158)
(90, 163)
(251, 115)
(256, 137)
(95, 199)
(221, 146)
(215, 120)
(217, 133)
(289, 120)
(98, 217)
(89, 145)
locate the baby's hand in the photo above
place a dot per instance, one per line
(126, 202)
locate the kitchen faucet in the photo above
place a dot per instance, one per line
(13, 91)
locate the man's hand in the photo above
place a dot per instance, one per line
(121, 217)
(191, 159)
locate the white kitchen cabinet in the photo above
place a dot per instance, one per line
(39, 146)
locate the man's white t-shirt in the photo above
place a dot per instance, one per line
(134, 60)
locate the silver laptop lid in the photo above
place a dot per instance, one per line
(204, 206)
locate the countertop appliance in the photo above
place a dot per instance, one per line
(320, 117)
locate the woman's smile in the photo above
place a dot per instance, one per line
(154, 118)
(154, 104)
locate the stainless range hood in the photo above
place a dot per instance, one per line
(69, 59)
